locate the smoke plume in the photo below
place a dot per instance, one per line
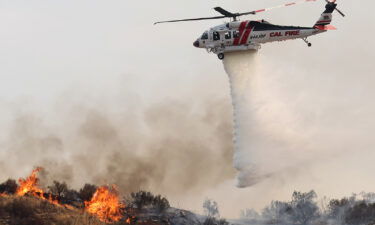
(170, 148)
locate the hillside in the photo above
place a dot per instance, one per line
(29, 210)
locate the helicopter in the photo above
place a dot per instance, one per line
(249, 34)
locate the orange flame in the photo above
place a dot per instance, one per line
(30, 185)
(105, 205)
(3, 195)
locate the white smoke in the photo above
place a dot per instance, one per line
(285, 123)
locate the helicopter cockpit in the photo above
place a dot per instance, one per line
(204, 36)
(201, 41)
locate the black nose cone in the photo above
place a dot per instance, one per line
(196, 43)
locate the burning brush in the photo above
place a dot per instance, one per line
(104, 204)
(30, 186)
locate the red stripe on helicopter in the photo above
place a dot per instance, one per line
(246, 35)
(289, 4)
(241, 30)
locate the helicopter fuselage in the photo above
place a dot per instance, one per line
(246, 35)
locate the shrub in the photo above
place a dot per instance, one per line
(161, 204)
(214, 221)
(211, 208)
(71, 196)
(142, 198)
(360, 213)
(58, 189)
(304, 207)
(10, 187)
(86, 193)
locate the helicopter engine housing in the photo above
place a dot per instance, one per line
(234, 24)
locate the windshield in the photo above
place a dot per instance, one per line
(204, 36)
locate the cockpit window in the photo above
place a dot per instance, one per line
(216, 36)
(204, 36)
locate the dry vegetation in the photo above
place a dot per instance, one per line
(29, 210)
(32, 211)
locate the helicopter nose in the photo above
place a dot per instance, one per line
(196, 43)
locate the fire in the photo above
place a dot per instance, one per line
(3, 195)
(105, 205)
(30, 185)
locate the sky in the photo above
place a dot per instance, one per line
(109, 55)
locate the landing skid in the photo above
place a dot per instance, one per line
(307, 42)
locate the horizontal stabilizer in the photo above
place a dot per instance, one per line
(326, 27)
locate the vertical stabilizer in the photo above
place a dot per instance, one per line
(326, 17)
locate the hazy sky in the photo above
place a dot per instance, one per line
(95, 51)
(95, 44)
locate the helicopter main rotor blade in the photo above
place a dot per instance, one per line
(194, 19)
(227, 14)
(279, 6)
(224, 12)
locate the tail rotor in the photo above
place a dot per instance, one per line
(339, 11)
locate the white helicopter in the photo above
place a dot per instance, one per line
(247, 35)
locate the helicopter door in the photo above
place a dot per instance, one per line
(228, 37)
